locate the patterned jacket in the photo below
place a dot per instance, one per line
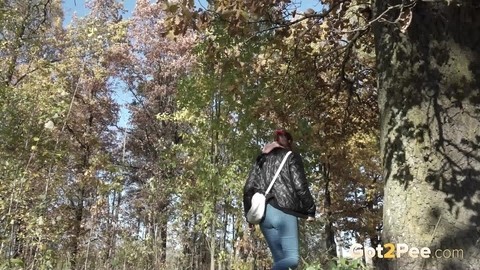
(290, 192)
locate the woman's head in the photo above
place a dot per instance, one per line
(283, 138)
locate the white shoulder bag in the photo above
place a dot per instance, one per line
(257, 210)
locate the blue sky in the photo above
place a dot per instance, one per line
(78, 8)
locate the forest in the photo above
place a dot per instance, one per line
(126, 136)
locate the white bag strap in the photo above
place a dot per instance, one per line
(278, 172)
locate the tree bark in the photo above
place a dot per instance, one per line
(163, 239)
(77, 229)
(212, 245)
(429, 98)
(329, 229)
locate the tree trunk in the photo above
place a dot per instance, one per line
(212, 245)
(161, 223)
(429, 93)
(163, 239)
(77, 229)
(329, 229)
(109, 231)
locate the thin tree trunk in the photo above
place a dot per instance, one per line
(108, 230)
(115, 225)
(88, 247)
(225, 230)
(163, 238)
(150, 236)
(232, 241)
(329, 231)
(77, 229)
(194, 264)
(212, 245)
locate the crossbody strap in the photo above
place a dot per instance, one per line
(278, 172)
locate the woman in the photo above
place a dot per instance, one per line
(289, 199)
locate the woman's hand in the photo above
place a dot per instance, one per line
(310, 219)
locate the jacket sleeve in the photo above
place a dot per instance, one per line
(297, 170)
(251, 187)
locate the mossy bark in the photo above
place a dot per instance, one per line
(429, 98)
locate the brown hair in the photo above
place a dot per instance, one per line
(284, 138)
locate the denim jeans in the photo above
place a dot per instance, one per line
(281, 232)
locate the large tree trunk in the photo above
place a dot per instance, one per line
(429, 97)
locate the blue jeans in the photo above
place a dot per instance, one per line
(281, 232)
